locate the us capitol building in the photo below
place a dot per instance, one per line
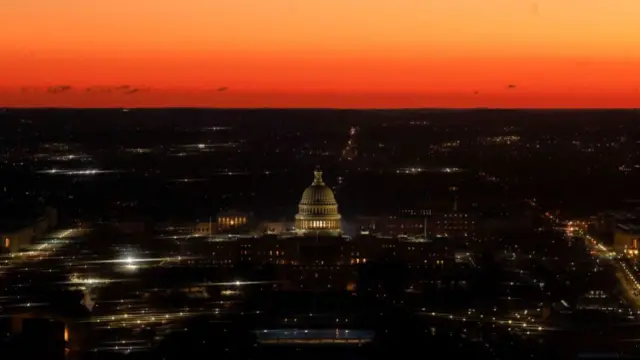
(318, 209)
(312, 251)
(318, 215)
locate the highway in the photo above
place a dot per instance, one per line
(626, 274)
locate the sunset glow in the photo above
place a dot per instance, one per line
(330, 53)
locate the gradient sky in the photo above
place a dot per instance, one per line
(320, 53)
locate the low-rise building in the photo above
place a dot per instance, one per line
(232, 221)
(625, 239)
(327, 261)
(450, 224)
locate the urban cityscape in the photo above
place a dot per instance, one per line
(173, 233)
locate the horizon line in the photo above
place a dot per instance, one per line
(323, 108)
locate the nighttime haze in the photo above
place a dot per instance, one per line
(246, 234)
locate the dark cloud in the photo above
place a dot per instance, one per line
(58, 89)
(136, 90)
(121, 89)
(224, 88)
(511, 86)
(476, 92)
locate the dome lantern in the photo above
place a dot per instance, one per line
(317, 177)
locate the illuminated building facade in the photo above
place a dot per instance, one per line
(625, 239)
(618, 228)
(318, 209)
(447, 224)
(204, 228)
(233, 220)
(328, 250)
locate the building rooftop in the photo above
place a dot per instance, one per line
(630, 227)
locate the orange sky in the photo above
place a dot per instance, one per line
(320, 53)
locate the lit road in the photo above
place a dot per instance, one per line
(349, 152)
(629, 281)
(43, 249)
(514, 321)
(626, 276)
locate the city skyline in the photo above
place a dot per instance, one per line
(337, 54)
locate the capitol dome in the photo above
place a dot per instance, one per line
(318, 209)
